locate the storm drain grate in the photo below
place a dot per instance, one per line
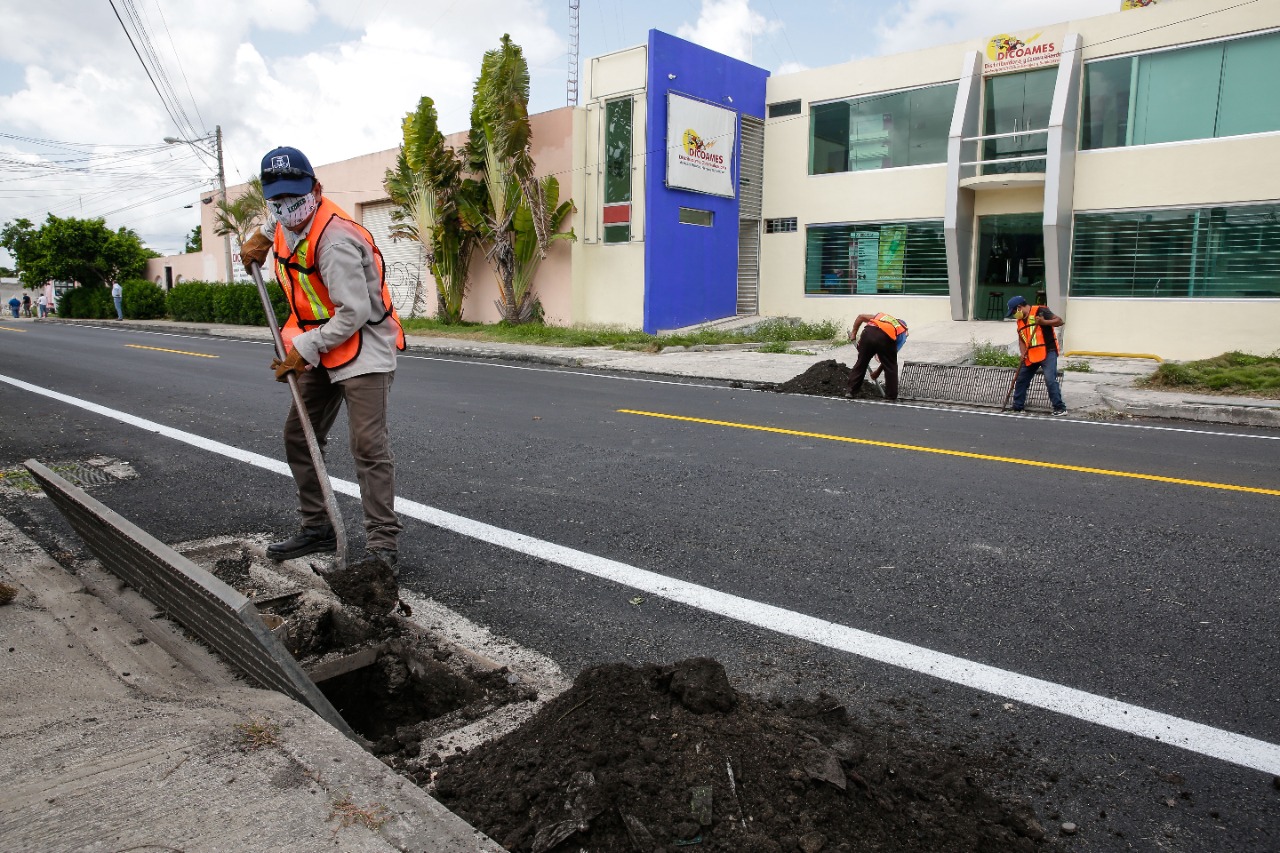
(84, 476)
(223, 618)
(968, 383)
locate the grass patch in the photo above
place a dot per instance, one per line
(347, 813)
(990, 355)
(774, 331)
(1229, 373)
(257, 733)
(1078, 367)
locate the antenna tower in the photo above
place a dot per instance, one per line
(571, 89)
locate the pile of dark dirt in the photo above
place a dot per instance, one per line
(662, 759)
(369, 584)
(827, 378)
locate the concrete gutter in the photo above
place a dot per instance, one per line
(113, 743)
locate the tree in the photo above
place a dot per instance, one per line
(81, 250)
(520, 216)
(429, 190)
(242, 216)
(195, 241)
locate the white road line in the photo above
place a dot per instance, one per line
(1089, 707)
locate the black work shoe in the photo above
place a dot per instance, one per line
(389, 557)
(308, 540)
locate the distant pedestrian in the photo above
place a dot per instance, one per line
(26, 305)
(1039, 346)
(117, 296)
(15, 305)
(883, 336)
(42, 306)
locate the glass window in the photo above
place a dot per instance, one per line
(617, 165)
(1198, 92)
(867, 258)
(1012, 103)
(881, 131)
(785, 108)
(694, 216)
(1207, 252)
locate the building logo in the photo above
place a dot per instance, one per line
(1008, 52)
(700, 149)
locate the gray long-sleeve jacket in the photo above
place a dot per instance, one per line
(350, 273)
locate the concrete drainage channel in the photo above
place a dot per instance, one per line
(417, 689)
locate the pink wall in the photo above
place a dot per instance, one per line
(352, 183)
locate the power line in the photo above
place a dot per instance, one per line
(177, 58)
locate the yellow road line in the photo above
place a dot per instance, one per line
(1106, 472)
(178, 351)
(7, 329)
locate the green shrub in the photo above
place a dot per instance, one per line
(87, 303)
(991, 355)
(143, 300)
(1231, 372)
(214, 302)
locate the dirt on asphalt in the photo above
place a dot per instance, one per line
(659, 759)
(827, 378)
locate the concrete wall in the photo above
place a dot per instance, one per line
(608, 280)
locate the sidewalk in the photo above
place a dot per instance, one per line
(1106, 390)
(112, 743)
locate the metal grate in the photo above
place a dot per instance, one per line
(966, 383)
(220, 616)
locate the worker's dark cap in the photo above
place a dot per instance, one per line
(286, 171)
(1014, 304)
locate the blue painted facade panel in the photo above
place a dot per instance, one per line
(691, 271)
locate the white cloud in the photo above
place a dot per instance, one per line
(728, 26)
(914, 24)
(332, 77)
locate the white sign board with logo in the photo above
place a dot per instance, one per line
(1023, 51)
(700, 143)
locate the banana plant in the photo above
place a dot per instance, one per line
(428, 188)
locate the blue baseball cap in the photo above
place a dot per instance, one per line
(286, 171)
(1014, 304)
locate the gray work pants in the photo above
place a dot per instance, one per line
(366, 398)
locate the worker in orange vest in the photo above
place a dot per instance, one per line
(341, 338)
(883, 337)
(1039, 347)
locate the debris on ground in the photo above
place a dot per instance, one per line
(369, 584)
(660, 759)
(7, 593)
(827, 378)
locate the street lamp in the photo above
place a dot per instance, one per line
(222, 179)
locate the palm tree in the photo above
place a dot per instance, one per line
(520, 216)
(427, 186)
(242, 216)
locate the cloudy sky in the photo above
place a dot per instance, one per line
(82, 124)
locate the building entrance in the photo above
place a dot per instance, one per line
(1010, 263)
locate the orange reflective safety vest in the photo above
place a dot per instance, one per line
(891, 326)
(310, 306)
(1038, 339)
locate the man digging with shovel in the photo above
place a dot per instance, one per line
(341, 341)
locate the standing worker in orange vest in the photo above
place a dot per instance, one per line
(1039, 346)
(882, 339)
(341, 337)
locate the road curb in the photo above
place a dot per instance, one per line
(1262, 415)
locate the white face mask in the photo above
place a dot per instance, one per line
(292, 212)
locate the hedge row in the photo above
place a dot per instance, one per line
(191, 301)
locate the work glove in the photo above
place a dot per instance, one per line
(254, 251)
(293, 363)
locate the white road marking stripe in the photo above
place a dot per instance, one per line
(1089, 707)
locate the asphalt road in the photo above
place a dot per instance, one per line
(1159, 594)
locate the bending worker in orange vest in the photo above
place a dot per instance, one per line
(882, 338)
(1039, 346)
(341, 337)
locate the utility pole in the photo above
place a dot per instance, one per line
(222, 186)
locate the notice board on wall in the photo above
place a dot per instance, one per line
(700, 142)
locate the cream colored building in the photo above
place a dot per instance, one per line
(1124, 173)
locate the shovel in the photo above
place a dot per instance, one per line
(326, 488)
